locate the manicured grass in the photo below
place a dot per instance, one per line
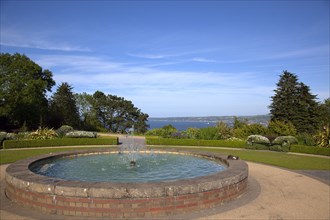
(10, 156)
(7, 144)
(280, 159)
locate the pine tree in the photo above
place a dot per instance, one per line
(308, 115)
(283, 105)
(294, 103)
(63, 107)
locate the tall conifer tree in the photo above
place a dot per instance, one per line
(294, 103)
(63, 107)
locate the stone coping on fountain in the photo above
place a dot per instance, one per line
(108, 199)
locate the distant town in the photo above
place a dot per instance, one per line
(255, 119)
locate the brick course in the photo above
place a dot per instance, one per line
(221, 188)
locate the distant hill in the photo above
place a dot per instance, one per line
(258, 119)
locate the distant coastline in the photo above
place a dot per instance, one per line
(182, 123)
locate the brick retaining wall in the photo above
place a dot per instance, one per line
(123, 200)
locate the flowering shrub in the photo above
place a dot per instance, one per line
(81, 134)
(285, 140)
(258, 139)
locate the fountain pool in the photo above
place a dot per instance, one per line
(116, 167)
(29, 183)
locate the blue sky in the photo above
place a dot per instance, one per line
(175, 58)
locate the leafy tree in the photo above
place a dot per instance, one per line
(63, 107)
(85, 109)
(111, 112)
(294, 103)
(23, 92)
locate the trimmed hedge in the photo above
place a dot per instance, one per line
(310, 150)
(237, 144)
(59, 142)
(194, 142)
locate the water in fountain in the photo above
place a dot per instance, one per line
(129, 148)
(132, 163)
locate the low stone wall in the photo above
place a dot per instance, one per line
(123, 200)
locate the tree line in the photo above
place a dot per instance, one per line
(24, 104)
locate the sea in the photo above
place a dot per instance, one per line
(179, 125)
(182, 123)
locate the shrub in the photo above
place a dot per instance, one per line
(3, 136)
(194, 142)
(81, 134)
(166, 131)
(59, 142)
(310, 150)
(11, 136)
(257, 147)
(306, 139)
(284, 148)
(208, 133)
(63, 130)
(281, 128)
(285, 140)
(155, 132)
(224, 131)
(178, 135)
(322, 138)
(246, 130)
(234, 139)
(23, 135)
(192, 132)
(43, 134)
(257, 139)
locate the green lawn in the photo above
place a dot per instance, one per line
(10, 156)
(290, 161)
(280, 159)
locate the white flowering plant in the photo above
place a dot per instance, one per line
(257, 139)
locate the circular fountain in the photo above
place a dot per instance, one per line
(29, 183)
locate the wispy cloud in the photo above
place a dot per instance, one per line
(126, 79)
(176, 53)
(37, 41)
(309, 51)
(203, 60)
